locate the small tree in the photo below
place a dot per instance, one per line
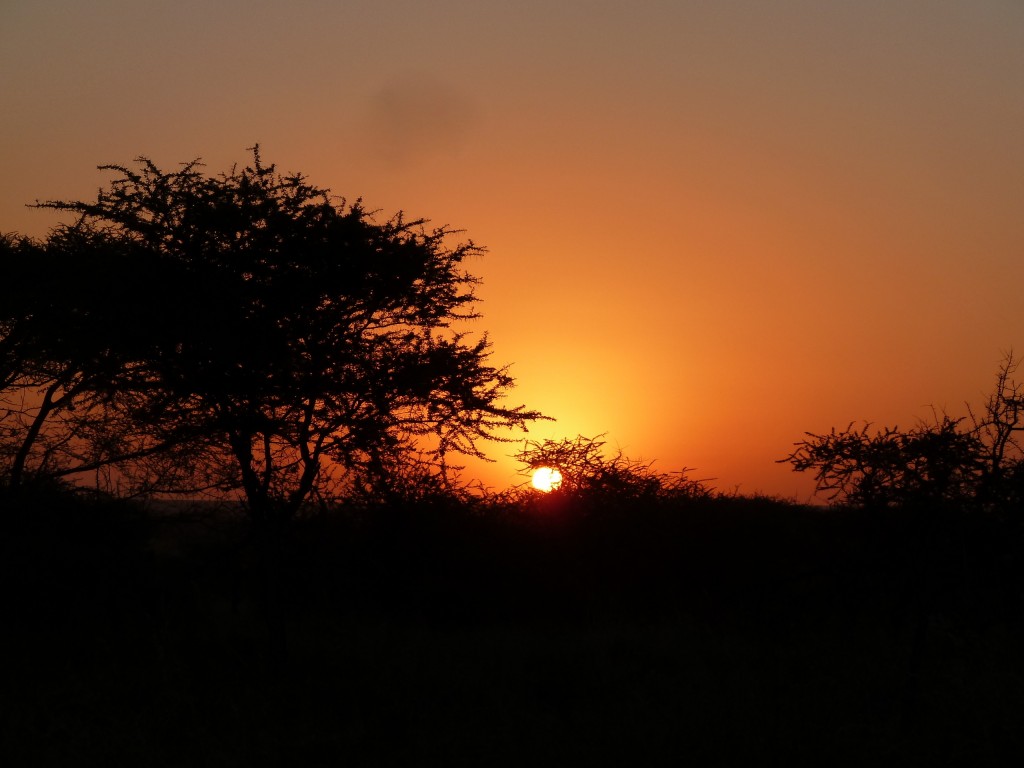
(587, 472)
(889, 467)
(962, 461)
(282, 336)
(998, 426)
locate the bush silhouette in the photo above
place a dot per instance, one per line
(974, 461)
(587, 473)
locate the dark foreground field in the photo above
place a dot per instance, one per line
(726, 631)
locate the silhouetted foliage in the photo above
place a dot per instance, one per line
(997, 426)
(588, 472)
(888, 467)
(71, 324)
(288, 341)
(966, 461)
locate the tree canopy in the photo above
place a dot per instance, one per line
(974, 461)
(286, 340)
(589, 473)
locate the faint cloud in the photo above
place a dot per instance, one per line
(411, 119)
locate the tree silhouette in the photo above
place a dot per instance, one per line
(889, 467)
(66, 330)
(285, 338)
(587, 472)
(966, 461)
(998, 425)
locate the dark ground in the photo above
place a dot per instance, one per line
(720, 632)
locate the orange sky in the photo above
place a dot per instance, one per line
(711, 226)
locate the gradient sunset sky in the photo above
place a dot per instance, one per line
(711, 225)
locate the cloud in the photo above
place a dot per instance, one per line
(412, 119)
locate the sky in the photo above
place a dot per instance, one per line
(711, 226)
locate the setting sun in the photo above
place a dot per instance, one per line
(546, 479)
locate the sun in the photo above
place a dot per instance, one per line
(546, 479)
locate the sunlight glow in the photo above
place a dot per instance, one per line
(546, 479)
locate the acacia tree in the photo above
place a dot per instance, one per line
(975, 461)
(65, 331)
(998, 425)
(285, 337)
(588, 472)
(889, 467)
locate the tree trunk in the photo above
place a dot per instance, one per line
(273, 530)
(21, 457)
(270, 523)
